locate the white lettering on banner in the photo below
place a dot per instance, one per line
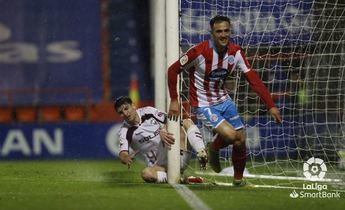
(25, 52)
(15, 141)
(252, 20)
(64, 51)
(40, 137)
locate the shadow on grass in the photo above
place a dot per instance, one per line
(129, 178)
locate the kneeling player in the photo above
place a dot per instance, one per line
(143, 131)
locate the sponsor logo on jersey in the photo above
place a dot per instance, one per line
(218, 74)
(148, 138)
(231, 59)
(184, 60)
(138, 133)
(153, 122)
(214, 117)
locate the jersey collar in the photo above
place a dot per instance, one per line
(212, 46)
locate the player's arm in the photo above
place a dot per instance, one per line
(258, 86)
(125, 157)
(173, 71)
(161, 117)
(166, 137)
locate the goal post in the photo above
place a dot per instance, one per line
(172, 54)
(158, 50)
(164, 21)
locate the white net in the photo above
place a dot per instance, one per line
(298, 49)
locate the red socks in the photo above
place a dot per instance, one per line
(219, 143)
(239, 160)
(239, 156)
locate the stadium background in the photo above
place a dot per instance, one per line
(63, 62)
(61, 65)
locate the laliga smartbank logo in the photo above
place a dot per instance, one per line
(314, 169)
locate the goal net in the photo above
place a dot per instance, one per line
(297, 47)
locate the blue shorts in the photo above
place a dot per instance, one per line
(213, 115)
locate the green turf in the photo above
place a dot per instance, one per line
(110, 185)
(80, 185)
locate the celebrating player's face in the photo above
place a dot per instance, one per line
(127, 112)
(220, 35)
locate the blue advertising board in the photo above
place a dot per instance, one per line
(265, 139)
(100, 141)
(59, 141)
(49, 51)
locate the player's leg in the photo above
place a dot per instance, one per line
(239, 144)
(227, 133)
(230, 131)
(195, 140)
(213, 148)
(184, 160)
(184, 151)
(212, 117)
(154, 174)
(239, 158)
(238, 149)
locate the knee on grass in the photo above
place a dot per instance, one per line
(151, 175)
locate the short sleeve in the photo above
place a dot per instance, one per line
(242, 62)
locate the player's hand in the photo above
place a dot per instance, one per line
(274, 111)
(126, 158)
(174, 110)
(166, 137)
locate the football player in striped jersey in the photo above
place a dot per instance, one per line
(143, 131)
(209, 64)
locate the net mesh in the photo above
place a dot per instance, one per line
(297, 48)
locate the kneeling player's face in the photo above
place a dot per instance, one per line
(127, 112)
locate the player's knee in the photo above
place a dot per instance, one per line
(149, 175)
(187, 123)
(227, 132)
(240, 138)
(230, 136)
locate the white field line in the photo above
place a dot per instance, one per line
(270, 177)
(192, 200)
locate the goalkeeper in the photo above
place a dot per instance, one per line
(143, 131)
(209, 63)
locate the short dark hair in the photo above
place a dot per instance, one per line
(217, 19)
(120, 101)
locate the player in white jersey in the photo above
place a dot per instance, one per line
(144, 132)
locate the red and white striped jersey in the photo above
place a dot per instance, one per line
(144, 137)
(208, 71)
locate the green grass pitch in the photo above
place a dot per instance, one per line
(99, 184)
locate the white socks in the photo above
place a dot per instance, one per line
(162, 177)
(195, 138)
